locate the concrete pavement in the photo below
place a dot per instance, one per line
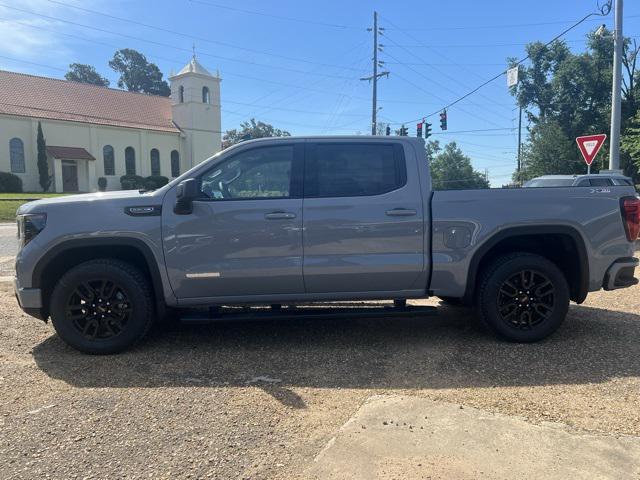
(417, 438)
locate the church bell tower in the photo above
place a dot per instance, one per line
(195, 105)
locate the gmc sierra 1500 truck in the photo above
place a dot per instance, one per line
(297, 220)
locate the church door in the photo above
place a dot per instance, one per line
(69, 176)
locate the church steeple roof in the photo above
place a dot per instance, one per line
(194, 67)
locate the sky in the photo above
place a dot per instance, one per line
(298, 64)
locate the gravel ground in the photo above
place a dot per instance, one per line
(261, 399)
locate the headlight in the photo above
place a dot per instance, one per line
(30, 225)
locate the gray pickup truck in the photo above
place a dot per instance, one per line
(296, 220)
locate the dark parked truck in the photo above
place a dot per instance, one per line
(296, 220)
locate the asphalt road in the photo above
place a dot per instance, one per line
(262, 399)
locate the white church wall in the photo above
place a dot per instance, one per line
(15, 127)
(92, 138)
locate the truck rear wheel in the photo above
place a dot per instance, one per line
(102, 306)
(523, 297)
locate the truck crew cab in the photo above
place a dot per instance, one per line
(294, 220)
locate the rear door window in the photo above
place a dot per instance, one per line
(353, 169)
(601, 182)
(621, 181)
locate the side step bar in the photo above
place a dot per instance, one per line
(215, 314)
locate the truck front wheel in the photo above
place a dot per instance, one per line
(102, 306)
(523, 297)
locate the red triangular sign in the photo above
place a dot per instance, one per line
(590, 145)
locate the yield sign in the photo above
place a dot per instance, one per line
(589, 146)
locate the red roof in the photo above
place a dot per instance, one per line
(69, 153)
(50, 98)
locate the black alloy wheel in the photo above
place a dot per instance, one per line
(102, 306)
(522, 297)
(99, 308)
(526, 299)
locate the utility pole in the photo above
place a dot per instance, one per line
(374, 78)
(614, 138)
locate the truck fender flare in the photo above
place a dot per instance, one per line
(139, 245)
(537, 230)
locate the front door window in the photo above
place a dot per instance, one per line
(253, 174)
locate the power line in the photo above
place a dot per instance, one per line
(450, 77)
(34, 63)
(431, 94)
(448, 132)
(319, 127)
(180, 63)
(602, 12)
(292, 109)
(166, 45)
(279, 17)
(486, 45)
(200, 39)
(510, 25)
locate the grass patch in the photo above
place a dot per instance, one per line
(34, 195)
(9, 202)
(8, 210)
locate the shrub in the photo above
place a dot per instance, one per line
(102, 184)
(155, 181)
(10, 183)
(132, 182)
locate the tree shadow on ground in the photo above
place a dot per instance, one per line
(445, 351)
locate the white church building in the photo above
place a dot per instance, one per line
(94, 132)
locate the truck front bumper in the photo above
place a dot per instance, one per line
(621, 274)
(29, 299)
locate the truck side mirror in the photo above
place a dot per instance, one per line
(186, 192)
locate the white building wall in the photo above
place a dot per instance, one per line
(92, 138)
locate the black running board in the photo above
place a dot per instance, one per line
(230, 313)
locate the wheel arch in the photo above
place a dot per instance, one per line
(71, 253)
(554, 242)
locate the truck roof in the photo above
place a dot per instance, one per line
(361, 138)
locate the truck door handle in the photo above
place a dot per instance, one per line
(279, 215)
(401, 212)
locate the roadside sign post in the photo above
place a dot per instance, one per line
(589, 146)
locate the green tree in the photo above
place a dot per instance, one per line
(79, 72)
(630, 148)
(566, 95)
(43, 164)
(249, 130)
(452, 170)
(137, 74)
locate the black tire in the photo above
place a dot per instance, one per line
(121, 315)
(506, 309)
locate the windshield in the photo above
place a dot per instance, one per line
(549, 182)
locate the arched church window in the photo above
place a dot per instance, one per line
(130, 161)
(155, 161)
(175, 163)
(109, 160)
(206, 97)
(181, 93)
(16, 155)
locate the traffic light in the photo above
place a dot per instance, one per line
(427, 130)
(404, 131)
(419, 130)
(388, 130)
(443, 120)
